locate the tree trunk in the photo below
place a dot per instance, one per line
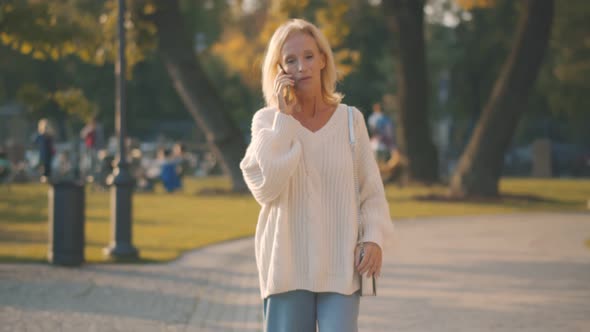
(406, 21)
(196, 91)
(480, 167)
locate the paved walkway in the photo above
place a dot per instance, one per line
(487, 273)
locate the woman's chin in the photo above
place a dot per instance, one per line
(304, 88)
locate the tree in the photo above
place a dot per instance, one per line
(471, 48)
(42, 31)
(56, 30)
(480, 166)
(564, 81)
(406, 22)
(370, 78)
(196, 91)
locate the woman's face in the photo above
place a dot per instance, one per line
(301, 58)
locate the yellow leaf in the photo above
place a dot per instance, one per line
(84, 55)
(68, 48)
(6, 38)
(472, 4)
(54, 54)
(38, 55)
(149, 9)
(26, 48)
(346, 61)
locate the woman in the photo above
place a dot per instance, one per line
(299, 168)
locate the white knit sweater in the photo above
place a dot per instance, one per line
(307, 228)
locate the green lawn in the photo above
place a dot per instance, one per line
(165, 225)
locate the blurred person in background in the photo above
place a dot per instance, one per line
(5, 166)
(93, 137)
(382, 134)
(45, 142)
(169, 172)
(181, 160)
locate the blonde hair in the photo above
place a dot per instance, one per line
(273, 57)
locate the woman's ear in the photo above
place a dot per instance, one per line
(323, 62)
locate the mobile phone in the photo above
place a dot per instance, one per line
(287, 92)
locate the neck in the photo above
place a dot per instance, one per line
(310, 105)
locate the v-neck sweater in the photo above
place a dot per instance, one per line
(304, 182)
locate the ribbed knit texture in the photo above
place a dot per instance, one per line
(307, 228)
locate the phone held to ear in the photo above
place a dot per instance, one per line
(287, 92)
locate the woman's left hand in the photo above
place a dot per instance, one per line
(372, 261)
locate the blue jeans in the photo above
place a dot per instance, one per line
(300, 310)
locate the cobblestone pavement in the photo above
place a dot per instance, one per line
(520, 272)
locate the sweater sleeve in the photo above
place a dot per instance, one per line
(272, 156)
(375, 216)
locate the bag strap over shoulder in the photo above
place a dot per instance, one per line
(352, 141)
(351, 136)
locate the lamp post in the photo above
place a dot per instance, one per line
(122, 184)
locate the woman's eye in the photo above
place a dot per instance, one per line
(290, 61)
(309, 56)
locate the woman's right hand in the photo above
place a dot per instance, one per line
(282, 82)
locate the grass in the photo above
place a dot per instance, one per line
(165, 225)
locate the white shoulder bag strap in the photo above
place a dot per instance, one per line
(352, 140)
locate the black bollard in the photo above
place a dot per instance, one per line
(66, 223)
